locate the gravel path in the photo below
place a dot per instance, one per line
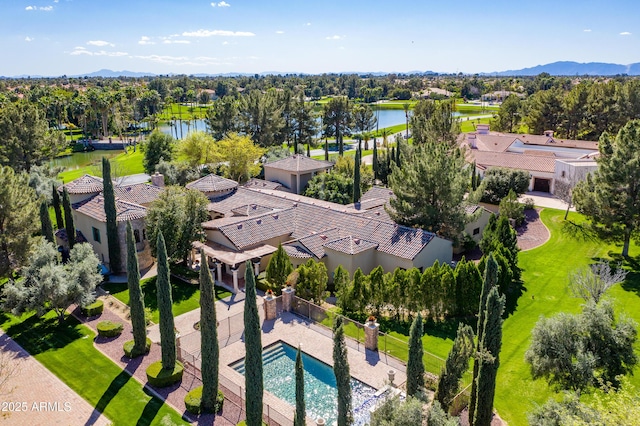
(173, 395)
(532, 233)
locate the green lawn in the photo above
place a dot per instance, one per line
(67, 351)
(186, 297)
(181, 111)
(545, 271)
(467, 126)
(123, 164)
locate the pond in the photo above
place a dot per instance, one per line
(81, 159)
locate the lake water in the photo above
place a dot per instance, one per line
(81, 159)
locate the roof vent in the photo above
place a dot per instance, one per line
(295, 204)
(240, 226)
(324, 237)
(356, 240)
(275, 216)
(259, 221)
(128, 188)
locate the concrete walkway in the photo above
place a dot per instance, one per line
(34, 396)
(544, 199)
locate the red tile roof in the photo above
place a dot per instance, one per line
(140, 193)
(94, 207)
(212, 183)
(86, 184)
(513, 161)
(299, 163)
(351, 245)
(265, 184)
(296, 252)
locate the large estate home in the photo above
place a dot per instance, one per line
(295, 172)
(85, 194)
(249, 223)
(545, 157)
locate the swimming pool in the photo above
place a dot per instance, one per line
(279, 362)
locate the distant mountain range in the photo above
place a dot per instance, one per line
(562, 68)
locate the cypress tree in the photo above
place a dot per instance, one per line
(167, 326)
(136, 299)
(457, 363)
(393, 154)
(56, 207)
(326, 150)
(279, 268)
(490, 281)
(209, 339)
(68, 219)
(45, 223)
(341, 371)
(299, 418)
(474, 183)
(309, 150)
(113, 242)
(375, 160)
(356, 178)
(254, 385)
(415, 366)
(489, 358)
(398, 143)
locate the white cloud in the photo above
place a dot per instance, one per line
(224, 43)
(164, 59)
(145, 40)
(334, 37)
(46, 8)
(308, 24)
(79, 50)
(30, 8)
(625, 33)
(27, 38)
(169, 41)
(56, 1)
(99, 43)
(587, 30)
(220, 4)
(223, 33)
(279, 32)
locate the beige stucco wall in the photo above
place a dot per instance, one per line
(481, 222)
(390, 262)
(76, 198)
(281, 176)
(438, 249)
(84, 224)
(542, 175)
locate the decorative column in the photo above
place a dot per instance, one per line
(219, 270)
(269, 307)
(287, 298)
(256, 266)
(371, 335)
(234, 272)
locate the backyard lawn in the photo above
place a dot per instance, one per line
(122, 164)
(186, 297)
(67, 351)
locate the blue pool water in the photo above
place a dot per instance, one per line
(279, 362)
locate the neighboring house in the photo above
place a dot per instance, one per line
(250, 223)
(537, 154)
(475, 228)
(570, 172)
(295, 172)
(85, 194)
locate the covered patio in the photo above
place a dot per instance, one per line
(227, 265)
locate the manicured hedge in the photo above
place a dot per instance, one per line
(128, 348)
(158, 377)
(109, 328)
(93, 309)
(193, 400)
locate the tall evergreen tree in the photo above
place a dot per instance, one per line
(474, 181)
(68, 219)
(309, 150)
(167, 326)
(326, 150)
(415, 365)
(113, 242)
(490, 281)
(209, 339)
(45, 223)
(254, 385)
(356, 178)
(279, 268)
(375, 160)
(300, 414)
(56, 207)
(341, 371)
(398, 144)
(489, 358)
(136, 299)
(457, 363)
(393, 154)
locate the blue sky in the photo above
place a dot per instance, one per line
(56, 37)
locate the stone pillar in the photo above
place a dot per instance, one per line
(219, 270)
(287, 298)
(256, 267)
(234, 271)
(371, 335)
(269, 308)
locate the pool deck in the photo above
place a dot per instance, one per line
(366, 366)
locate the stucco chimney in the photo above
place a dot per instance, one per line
(548, 133)
(157, 179)
(482, 129)
(471, 138)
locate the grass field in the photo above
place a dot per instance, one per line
(184, 112)
(186, 297)
(124, 164)
(67, 351)
(469, 125)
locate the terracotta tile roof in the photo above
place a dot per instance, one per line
(242, 196)
(139, 193)
(94, 207)
(315, 242)
(513, 161)
(296, 252)
(299, 163)
(379, 213)
(377, 192)
(251, 210)
(212, 183)
(295, 198)
(351, 245)
(86, 184)
(259, 183)
(368, 204)
(257, 229)
(500, 142)
(495, 142)
(554, 141)
(62, 234)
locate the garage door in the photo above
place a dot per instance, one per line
(541, 185)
